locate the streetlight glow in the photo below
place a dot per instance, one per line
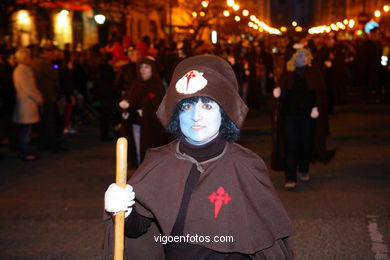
(214, 36)
(100, 19)
(205, 4)
(226, 13)
(386, 8)
(64, 12)
(194, 14)
(62, 18)
(230, 3)
(236, 7)
(237, 18)
(351, 23)
(23, 17)
(245, 12)
(294, 23)
(202, 13)
(377, 13)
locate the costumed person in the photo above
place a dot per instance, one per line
(144, 97)
(302, 121)
(202, 185)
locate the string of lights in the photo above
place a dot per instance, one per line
(254, 23)
(347, 23)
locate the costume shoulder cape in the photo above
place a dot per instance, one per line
(253, 215)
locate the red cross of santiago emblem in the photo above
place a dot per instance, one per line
(189, 75)
(192, 82)
(219, 198)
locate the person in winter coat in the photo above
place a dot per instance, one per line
(189, 193)
(47, 80)
(103, 77)
(28, 99)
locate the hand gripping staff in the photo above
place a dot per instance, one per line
(121, 171)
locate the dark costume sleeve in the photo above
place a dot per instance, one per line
(135, 93)
(136, 224)
(277, 156)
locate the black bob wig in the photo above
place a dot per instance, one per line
(228, 130)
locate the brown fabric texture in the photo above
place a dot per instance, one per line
(147, 95)
(254, 216)
(221, 86)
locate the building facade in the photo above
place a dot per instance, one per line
(284, 12)
(84, 23)
(61, 22)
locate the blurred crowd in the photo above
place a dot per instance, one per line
(46, 93)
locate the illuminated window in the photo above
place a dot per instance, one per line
(63, 32)
(214, 37)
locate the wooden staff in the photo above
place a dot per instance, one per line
(121, 171)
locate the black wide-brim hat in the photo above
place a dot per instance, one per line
(208, 76)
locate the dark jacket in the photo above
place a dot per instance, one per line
(46, 78)
(315, 83)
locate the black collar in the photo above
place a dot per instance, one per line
(203, 152)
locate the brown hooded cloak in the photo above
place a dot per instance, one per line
(250, 210)
(254, 216)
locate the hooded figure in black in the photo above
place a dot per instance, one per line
(301, 124)
(144, 97)
(203, 187)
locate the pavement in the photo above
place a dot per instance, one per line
(52, 208)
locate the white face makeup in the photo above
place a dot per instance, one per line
(145, 70)
(200, 122)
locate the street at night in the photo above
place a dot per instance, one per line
(52, 208)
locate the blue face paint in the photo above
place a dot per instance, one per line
(301, 59)
(200, 122)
